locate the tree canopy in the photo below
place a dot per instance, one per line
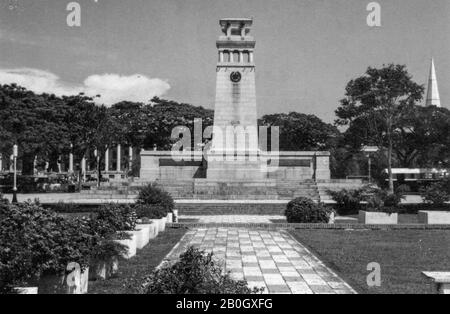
(381, 108)
(301, 132)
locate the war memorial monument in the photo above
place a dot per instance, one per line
(235, 166)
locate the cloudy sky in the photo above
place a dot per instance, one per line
(307, 50)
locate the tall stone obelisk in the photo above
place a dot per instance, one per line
(234, 149)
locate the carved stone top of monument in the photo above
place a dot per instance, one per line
(235, 33)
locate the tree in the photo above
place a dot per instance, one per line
(131, 120)
(301, 132)
(34, 122)
(163, 116)
(91, 127)
(380, 97)
(422, 138)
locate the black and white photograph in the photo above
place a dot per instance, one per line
(222, 153)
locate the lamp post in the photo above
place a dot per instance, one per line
(368, 150)
(15, 154)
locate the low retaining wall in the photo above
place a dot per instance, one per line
(434, 217)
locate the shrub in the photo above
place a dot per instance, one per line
(150, 211)
(437, 193)
(107, 250)
(154, 196)
(348, 201)
(117, 217)
(392, 200)
(304, 210)
(36, 241)
(195, 273)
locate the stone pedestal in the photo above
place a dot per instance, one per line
(242, 166)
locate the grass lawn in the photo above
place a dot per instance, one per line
(131, 272)
(402, 255)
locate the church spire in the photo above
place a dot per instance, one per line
(433, 98)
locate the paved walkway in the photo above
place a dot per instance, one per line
(270, 259)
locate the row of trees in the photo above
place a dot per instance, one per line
(380, 108)
(47, 127)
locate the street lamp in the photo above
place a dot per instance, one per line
(368, 150)
(15, 155)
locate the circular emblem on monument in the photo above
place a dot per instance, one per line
(235, 77)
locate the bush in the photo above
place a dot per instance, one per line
(383, 201)
(150, 211)
(195, 273)
(348, 201)
(36, 241)
(117, 217)
(392, 200)
(437, 193)
(107, 250)
(152, 195)
(304, 210)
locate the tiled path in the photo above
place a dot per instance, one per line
(270, 259)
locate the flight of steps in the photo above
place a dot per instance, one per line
(206, 197)
(231, 208)
(211, 190)
(202, 197)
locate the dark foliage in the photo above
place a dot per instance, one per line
(34, 241)
(348, 201)
(305, 210)
(117, 217)
(195, 273)
(437, 193)
(155, 197)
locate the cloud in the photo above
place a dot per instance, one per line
(113, 88)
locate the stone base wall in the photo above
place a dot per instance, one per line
(300, 166)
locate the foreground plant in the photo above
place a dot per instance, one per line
(195, 273)
(35, 242)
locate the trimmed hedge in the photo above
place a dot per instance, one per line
(305, 210)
